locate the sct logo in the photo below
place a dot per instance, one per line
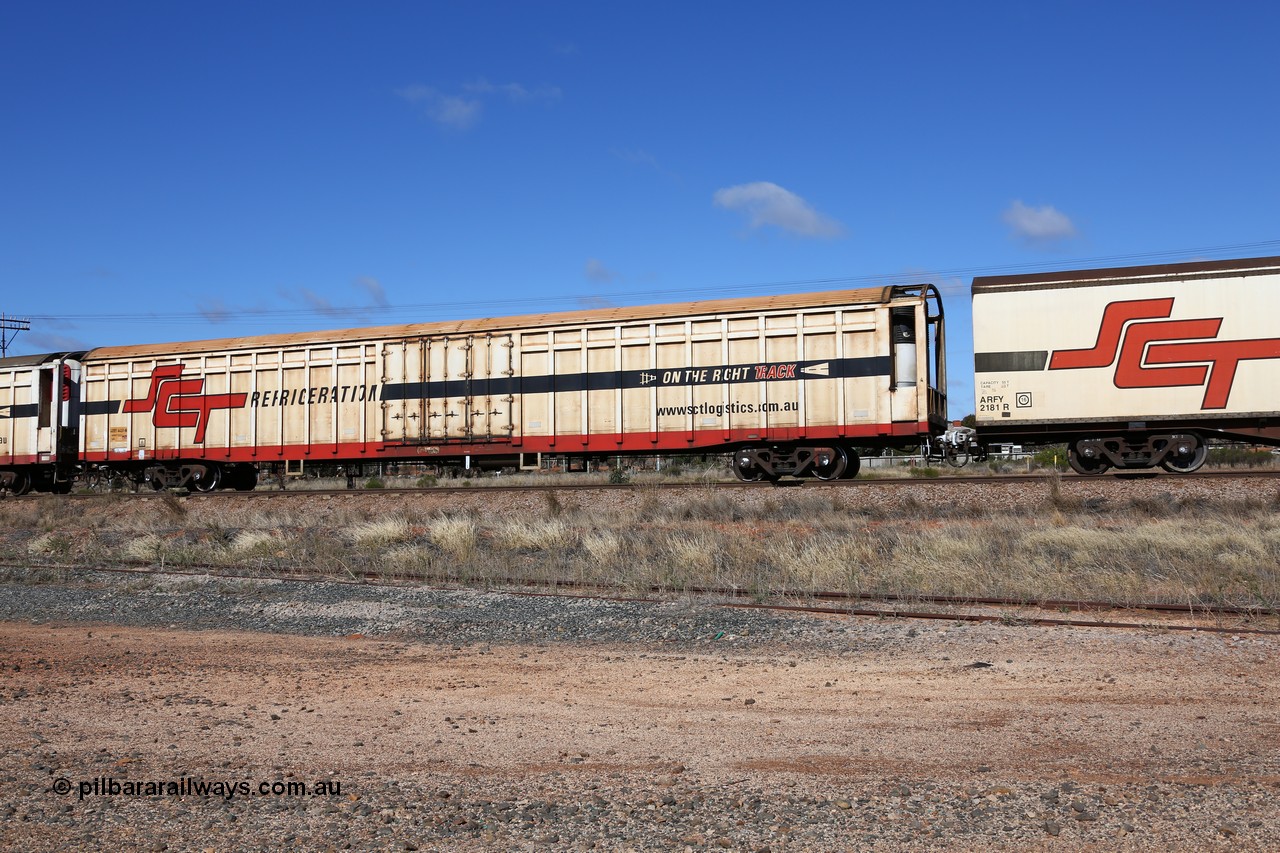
(178, 402)
(1134, 347)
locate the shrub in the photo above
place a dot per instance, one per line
(1054, 457)
(1234, 457)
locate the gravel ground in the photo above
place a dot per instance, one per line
(460, 720)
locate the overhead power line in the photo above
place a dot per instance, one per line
(397, 313)
(14, 325)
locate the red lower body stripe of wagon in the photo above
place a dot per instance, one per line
(692, 441)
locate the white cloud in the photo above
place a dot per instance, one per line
(455, 112)
(1038, 224)
(636, 157)
(462, 110)
(319, 304)
(448, 110)
(766, 203)
(513, 91)
(596, 271)
(373, 287)
(313, 301)
(48, 343)
(215, 311)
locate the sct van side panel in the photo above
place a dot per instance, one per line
(1186, 344)
(680, 377)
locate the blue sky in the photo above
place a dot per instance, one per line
(177, 171)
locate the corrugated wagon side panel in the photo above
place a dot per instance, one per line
(782, 397)
(295, 422)
(602, 402)
(638, 409)
(708, 398)
(241, 430)
(108, 386)
(18, 402)
(397, 370)
(822, 396)
(266, 427)
(535, 402)
(569, 411)
(864, 338)
(349, 426)
(137, 384)
(746, 346)
(672, 400)
(213, 431)
(321, 419)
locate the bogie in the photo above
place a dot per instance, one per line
(1179, 453)
(824, 462)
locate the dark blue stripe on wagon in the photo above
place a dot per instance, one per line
(30, 410)
(744, 374)
(23, 410)
(1006, 362)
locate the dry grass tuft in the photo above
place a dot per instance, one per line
(384, 531)
(534, 535)
(255, 543)
(457, 536)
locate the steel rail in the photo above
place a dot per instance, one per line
(995, 480)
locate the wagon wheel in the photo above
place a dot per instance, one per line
(99, 481)
(21, 483)
(208, 481)
(746, 471)
(958, 458)
(855, 465)
(243, 478)
(1185, 463)
(1084, 464)
(830, 463)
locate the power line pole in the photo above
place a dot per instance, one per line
(7, 325)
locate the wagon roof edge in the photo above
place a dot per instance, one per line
(1199, 269)
(593, 316)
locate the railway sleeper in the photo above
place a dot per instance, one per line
(825, 462)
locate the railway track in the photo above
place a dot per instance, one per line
(993, 481)
(1046, 613)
